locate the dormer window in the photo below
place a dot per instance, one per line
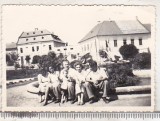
(41, 31)
(27, 33)
(42, 37)
(34, 38)
(33, 32)
(27, 39)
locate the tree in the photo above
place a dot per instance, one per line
(14, 57)
(11, 58)
(51, 60)
(128, 51)
(103, 54)
(8, 58)
(27, 59)
(142, 61)
(36, 59)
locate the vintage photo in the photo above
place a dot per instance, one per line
(78, 58)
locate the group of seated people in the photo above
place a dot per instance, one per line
(73, 84)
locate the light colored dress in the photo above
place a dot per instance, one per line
(43, 81)
(80, 79)
(54, 79)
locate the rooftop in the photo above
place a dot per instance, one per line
(110, 28)
(11, 46)
(31, 37)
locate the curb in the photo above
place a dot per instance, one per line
(132, 89)
(122, 97)
(19, 81)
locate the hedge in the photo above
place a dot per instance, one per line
(22, 73)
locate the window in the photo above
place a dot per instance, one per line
(32, 49)
(27, 33)
(140, 41)
(58, 49)
(124, 41)
(21, 49)
(65, 48)
(106, 44)
(33, 32)
(88, 47)
(42, 37)
(37, 48)
(84, 48)
(34, 38)
(41, 31)
(50, 47)
(132, 41)
(115, 43)
(27, 39)
(71, 48)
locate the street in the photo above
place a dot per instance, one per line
(19, 97)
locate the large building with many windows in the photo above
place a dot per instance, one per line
(111, 35)
(38, 42)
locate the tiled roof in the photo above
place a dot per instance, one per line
(147, 26)
(131, 27)
(38, 36)
(109, 28)
(34, 33)
(11, 45)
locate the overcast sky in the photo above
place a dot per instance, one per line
(70, 23)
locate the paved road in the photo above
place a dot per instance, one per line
(18, 96)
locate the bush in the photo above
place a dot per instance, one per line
(121, 74)
(142, 61)
(20, 74)
(103, 54)
(128, 51)
(36, 59)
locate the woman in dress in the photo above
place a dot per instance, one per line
(43, 81)
(80, 79)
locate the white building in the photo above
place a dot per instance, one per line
(38, 42)
(111, 35)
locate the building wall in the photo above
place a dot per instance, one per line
(58, 44)
(95, 44)
(28, 51)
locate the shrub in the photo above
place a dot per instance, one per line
(103, 54)
(22, 73)
(27, 58)
(121, 74)
(128, 51)
(36, 59)
(142, 61)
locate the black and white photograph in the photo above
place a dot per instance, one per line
(78, 58)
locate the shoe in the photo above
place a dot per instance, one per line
(78, 103)
(45, 104)
(73, 101)
(57, 101)
(92, 100)
(81, 103)
(105, 100)
(108, 98)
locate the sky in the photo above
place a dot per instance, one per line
(70, 23)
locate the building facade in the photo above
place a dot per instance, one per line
(38, 42)
(109, 36)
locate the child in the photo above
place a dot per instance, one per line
(65, 79)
